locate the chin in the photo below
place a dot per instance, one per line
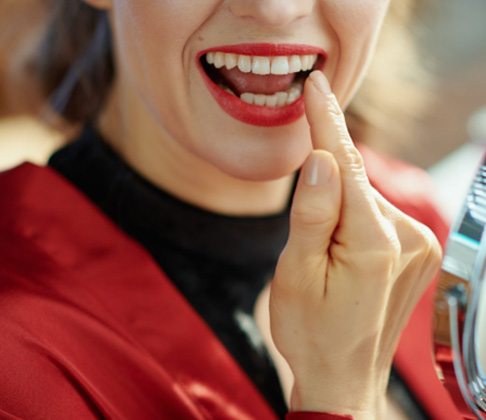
(264, 167)
(248, 152)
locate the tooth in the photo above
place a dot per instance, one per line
(278, 99)
(295, 64)
(296, 87)
(281, 98)
(260, 65)
(280, 65)
(219, 60)
(210, 58)
(313, 60)
(260, 99)
(244, 63)
(308, 62)
(271, 101)
(231, 61)
(294, 94)
(249, 98)
(263, 65)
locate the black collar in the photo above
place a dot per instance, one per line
(156, 218)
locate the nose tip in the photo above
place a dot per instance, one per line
(272, 12)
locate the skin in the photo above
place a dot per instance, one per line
(330, 298)
(160, 97)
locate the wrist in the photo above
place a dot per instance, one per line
(309, 415)
(338, 400)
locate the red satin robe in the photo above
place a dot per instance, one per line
(90, 327)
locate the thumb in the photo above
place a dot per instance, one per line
(316, 207)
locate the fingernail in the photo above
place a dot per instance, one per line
(316, 171)
(320, 82)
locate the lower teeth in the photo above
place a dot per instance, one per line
(278, 99)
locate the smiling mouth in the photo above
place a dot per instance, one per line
(263, 81)
(260, 84)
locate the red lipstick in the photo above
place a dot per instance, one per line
(254, 114)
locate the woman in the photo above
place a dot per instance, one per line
(192, 153)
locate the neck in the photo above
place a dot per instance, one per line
(129, 129)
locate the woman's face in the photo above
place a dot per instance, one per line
(170, 53)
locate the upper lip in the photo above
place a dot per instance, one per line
(267, 49)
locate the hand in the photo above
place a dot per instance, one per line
(352, 271)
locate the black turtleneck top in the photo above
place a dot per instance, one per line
(219, 263)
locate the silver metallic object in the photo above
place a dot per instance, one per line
(458, 324)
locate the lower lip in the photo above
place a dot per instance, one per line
(261, 116)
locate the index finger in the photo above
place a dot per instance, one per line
(329, 132)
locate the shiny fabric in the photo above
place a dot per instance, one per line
(219, 263)
(92, 328)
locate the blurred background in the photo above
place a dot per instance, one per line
(451, 35)
(452, 41)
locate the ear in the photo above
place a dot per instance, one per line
(100, 4)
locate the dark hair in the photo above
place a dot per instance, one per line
(75, 62)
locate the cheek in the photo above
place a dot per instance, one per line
(356, 16)
(355, 25)
(152, 38)
(152, 34)
(171, 18)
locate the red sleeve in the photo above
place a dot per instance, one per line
(308, 415)
(31, 385)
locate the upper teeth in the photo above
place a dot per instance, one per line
(262, 65)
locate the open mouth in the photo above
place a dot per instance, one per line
(262, 81)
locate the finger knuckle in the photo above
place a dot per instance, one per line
(334, 109)
(308, 216)
(387, 252)
(432, 249)
(350, 156)
(386, 240)
(384, 266)
(427, 252)
(427, 242)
